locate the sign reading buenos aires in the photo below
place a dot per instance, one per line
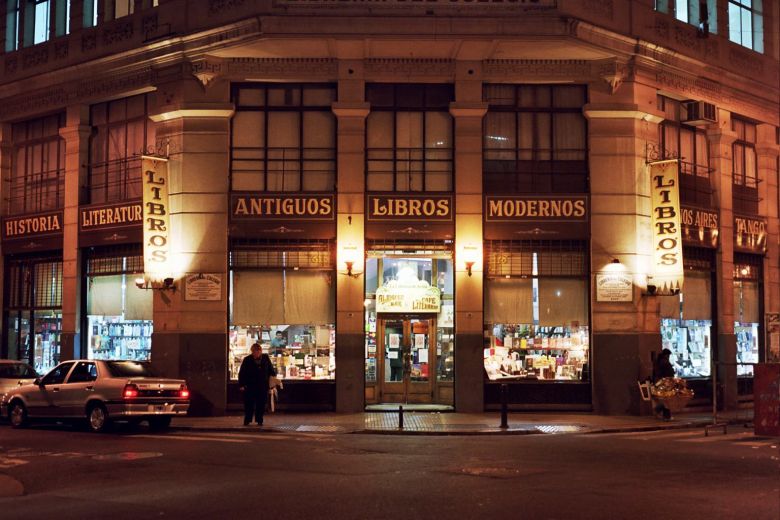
(248, 206)
(551, 208)
(666, 227)
(156, 222)
(409, 207)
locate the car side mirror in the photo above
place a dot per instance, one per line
(38, 381)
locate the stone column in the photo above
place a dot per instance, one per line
(720, 139)
(620, 127)
(767, 150)
(190, 337)
(351, 112)
(468, 111)
(5, 177)
(76, 135)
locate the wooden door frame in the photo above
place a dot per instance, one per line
(407, 336)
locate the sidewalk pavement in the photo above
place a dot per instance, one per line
(451, 423)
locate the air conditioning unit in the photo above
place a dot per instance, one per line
(700, 113)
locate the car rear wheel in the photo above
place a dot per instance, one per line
(18, 415)
(97, 418)
(159, 423)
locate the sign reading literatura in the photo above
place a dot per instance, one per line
(665, 219)
(156, 219)
(249, 206)
(409, 207)
(117, 215)
(550, 209)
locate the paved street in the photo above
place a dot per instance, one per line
(68, 473)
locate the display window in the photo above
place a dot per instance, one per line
(536, 319)
(284, 299)
(747, 301)
(686, 325)
(33, 312)
(118, 314)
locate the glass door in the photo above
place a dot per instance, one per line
(406, 357)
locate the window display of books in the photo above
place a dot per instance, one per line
(747, 346)
(689, 341)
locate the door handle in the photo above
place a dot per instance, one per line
(55, 389)
(89, 388)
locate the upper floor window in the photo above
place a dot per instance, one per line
(409, 144)
(121, 132)
(535, 139)
(90, 13)
(702, 14)
(746, 24)
(31, 21)
(37, 166)
(689, 144)
(283, 138)
(745, 167)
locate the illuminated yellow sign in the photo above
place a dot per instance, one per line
(665, 218)
(156, 217)
(407, 293)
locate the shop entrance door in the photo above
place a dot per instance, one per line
(407, 359)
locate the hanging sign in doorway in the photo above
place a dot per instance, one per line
(156, 217)
(667, 269)
(407, 293)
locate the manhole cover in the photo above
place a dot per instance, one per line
(559, 428)
(128, 455)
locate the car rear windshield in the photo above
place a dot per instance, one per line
(17, 371)
(130, 369)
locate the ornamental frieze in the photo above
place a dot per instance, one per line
(409, 67)
(542, 68)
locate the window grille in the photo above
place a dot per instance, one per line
(115, 260)
(47, 277)
(310, 255)
(748, 267)
(698, 259)
(745, 167)
(509, 258)
(409, 248)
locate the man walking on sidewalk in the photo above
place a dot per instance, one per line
(253, 376)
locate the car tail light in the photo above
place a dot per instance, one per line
(184, 391)
(130, 390)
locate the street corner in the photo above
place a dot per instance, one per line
(10, 487)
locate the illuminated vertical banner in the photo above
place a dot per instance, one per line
(667, 235)
(156, 218)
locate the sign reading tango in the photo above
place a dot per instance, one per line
(156, 222)
(117, 215)
(282, 207)
(750, 233)
(32, 225)
(665, 219)
(410, 207)
(553, 208)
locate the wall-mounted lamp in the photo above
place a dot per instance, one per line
(166, 284)
(615, 261)
(349, 256)
(469, 265)
(470, 256)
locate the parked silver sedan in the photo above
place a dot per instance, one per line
(13, 374)
(100, 391)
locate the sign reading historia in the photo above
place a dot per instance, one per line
(203, 287)
(282, 206)
(30, 233)
(550, 209)
(156, 222)
(750, 234)
(668, 271)
(409, 208)
(614, 287)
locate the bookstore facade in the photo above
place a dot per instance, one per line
(394, 230)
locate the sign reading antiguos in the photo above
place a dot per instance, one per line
(665, 219)
(155, 214)
(282, 207)
(410, 207)
(563, 208)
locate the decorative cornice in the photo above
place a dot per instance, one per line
(409, 67)
(537, 68)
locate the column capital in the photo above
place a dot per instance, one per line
(460, 109)
(619, 111)
(351, 108)
(75, 131)
(721, 136)
(195, 110)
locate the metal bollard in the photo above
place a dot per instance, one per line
(504, 421)
(400, 417)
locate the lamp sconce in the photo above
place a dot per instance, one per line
(470, 254)
(615, 261)
(167, 284)
(349, 272)
(350, 259)
(469, 265)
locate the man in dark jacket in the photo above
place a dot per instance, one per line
(663, 368)
(253, 376)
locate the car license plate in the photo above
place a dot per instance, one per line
(156, 408)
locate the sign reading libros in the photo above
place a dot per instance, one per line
(156, 219)
(665, 219)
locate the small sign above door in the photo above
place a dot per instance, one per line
(408, 294)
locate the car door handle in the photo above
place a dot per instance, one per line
(55, 389)
(89, 388)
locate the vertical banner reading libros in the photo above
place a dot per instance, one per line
(668, 272)
(156, 221)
